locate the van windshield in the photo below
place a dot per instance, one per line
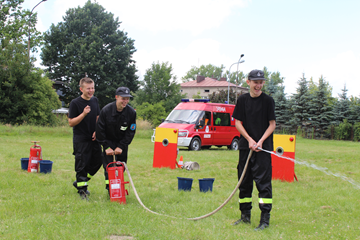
(183, 116)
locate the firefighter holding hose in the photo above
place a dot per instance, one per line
(116, 128)
(255, 120)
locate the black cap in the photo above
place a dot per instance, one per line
(123, 91)
(256, 75)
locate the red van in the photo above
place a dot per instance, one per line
(202, 124)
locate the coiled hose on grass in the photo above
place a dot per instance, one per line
(196, 218)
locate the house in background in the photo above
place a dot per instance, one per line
(204, 86)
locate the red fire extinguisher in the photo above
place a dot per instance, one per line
(35, 157)
(116, 182)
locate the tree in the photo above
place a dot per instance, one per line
(313, 87)
(237, 78)
(354, 115)
(300, 108)
(221, 96)
(320, 110)
(341, 109)
(273, 78)
(272, 88)
(206, 71)
(25, 95)
(282, 112)
(16, 24)
(88, 42)
(159, 85)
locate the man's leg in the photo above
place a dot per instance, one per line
(245, 189)
(262, 177)
(81, 159)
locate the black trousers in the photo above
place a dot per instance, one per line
(88, 160)
(259, 170)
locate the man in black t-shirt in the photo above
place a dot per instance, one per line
(255, 120)
(83, 114)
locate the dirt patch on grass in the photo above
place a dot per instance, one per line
(120, 237)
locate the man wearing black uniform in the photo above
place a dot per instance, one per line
(255, 120)
(83, 113)
(115, 128)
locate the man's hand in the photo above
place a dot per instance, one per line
(94, 136)
(76, 120)
(118, 151)
(252, 144)
(109, 151)
(258, 145)
(87, 109)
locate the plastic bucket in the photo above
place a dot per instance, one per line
(184, 184)
(45, 166)
(206, 184)
(24, 163)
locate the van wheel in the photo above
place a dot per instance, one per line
(195, 144)
(234, 144)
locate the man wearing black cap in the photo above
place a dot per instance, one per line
(255, 120)
(115, 128)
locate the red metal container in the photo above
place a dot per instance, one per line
(34, 158)
(116, 182)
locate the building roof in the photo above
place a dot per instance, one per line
(208, 82)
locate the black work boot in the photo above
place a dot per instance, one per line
(264, 221)
(245, 218)
(75, 186)
(83, 195)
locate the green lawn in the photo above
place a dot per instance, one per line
(46, 206)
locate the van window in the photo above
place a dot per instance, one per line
(183, 116)
(206, 117)
(221, 119)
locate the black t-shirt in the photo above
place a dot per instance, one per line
(255, 114)
(84, 130)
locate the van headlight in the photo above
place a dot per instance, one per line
(182, 134)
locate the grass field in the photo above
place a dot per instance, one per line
(46, 206)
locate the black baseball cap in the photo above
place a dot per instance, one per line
(256, 75)
(123, 91)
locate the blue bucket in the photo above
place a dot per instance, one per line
(24, 163)
(184, 184)
(45, 166)
(206, 184)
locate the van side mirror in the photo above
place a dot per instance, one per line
(162, 120)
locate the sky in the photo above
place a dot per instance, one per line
(293, 37)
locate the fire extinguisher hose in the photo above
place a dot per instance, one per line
(196, 218)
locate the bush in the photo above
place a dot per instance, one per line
(343, 131)
(357, 131)
(299, 132)
(152, 113)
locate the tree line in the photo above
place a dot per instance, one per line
(311, 112)
(88, 41)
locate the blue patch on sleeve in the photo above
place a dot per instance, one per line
(133, 127)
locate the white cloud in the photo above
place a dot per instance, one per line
(159, 15)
